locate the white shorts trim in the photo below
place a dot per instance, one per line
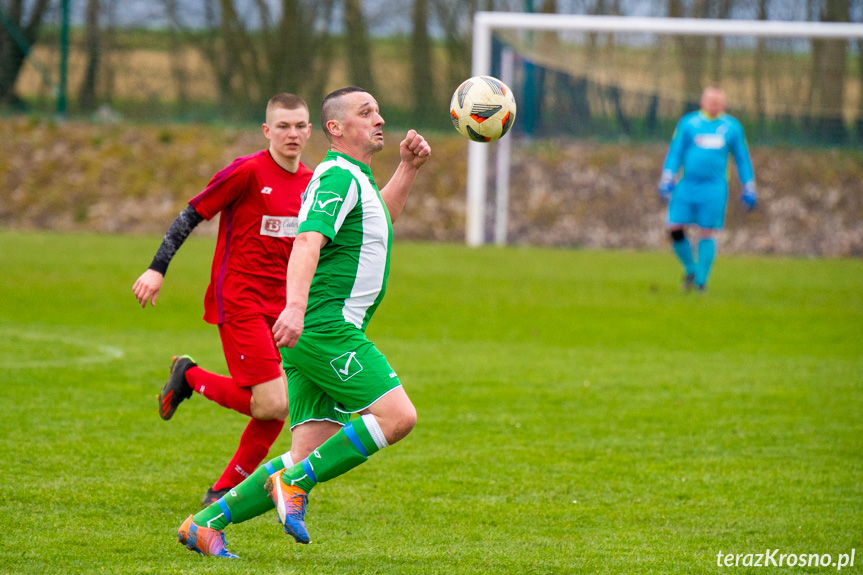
(293, 425)
(370, 404)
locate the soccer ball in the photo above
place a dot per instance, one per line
(482, 109)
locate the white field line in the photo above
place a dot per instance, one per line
(100, 352)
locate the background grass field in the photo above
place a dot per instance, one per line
(577, 414)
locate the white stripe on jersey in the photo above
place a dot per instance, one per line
(373, 253)
(350, 201)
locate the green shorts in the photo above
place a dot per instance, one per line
(333, 372)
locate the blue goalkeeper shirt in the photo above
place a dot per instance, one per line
(701, 145)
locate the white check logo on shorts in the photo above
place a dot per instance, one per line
(346, 365)
(326, 202)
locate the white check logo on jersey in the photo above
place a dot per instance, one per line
(326, 202)
(346, 365)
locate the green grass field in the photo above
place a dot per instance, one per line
(577, 414)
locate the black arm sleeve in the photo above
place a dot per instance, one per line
(177, 234)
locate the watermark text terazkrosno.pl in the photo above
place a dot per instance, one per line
(775, 558)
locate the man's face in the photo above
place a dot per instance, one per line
(288, 131)
(362, 127)
(713, 102)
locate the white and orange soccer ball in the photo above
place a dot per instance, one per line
(482, 109)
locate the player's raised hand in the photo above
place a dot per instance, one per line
(414, 149)
(288, 327)
(147, 287)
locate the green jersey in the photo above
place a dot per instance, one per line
(343, 203)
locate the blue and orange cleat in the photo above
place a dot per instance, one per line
(290, 502)
(176, 389)
(203, 540)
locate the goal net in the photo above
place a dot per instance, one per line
(588, 85)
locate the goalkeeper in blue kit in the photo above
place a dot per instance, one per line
(701, 144)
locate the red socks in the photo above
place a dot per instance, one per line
(259, 435)
(220, 389)
(255, 443)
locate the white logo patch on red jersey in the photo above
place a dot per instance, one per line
(279, 227)
(266, 190)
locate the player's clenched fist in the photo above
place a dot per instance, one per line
(414, 149)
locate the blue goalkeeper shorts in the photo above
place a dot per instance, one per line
(702, 205)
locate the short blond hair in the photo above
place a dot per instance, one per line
(287, 101)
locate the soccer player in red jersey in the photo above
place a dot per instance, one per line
(258, 197)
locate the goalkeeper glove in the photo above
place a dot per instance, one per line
(666, 185)
(749, 197)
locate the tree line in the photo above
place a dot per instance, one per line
(254, 48)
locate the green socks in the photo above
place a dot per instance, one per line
(351, 446)
(245, 501)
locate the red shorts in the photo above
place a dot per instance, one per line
(250, 349)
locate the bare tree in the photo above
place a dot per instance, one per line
(760, 54)
(723, 11)
(422, 61)
(19, 30)
(178, 69)
(828, 76)
(692, 51)
(358, 46)
(599, 9)
(456, 20)
(859, 123)
(855, 12)
(87, 99)
(260, 50)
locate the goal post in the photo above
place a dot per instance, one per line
(486, 24)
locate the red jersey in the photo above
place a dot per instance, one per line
(259, 201)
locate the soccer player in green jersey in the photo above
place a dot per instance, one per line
(336, 279)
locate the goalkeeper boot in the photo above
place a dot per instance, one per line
(290, 502)
(213, 495)
(688, 282)
(176, 389)
(203, 540)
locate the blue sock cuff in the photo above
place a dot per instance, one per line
(355, 439)
(224, 507)
(269, 467)
(307, 467)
